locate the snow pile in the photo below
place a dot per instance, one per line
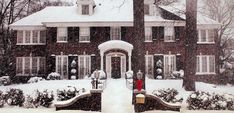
(68, 93)
(5, 80)
(168, 95)
(35, 79)
(205, 101)
(54, 76)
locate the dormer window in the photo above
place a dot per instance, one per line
(146, 9)
(85, 9)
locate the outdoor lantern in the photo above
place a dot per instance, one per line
(140, 99)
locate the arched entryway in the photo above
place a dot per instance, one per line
(115, 61)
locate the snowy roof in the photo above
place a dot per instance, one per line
(105, 11)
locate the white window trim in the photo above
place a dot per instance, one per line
(79, 57)
(31, 38)
(88, 35)
(172, 36)
(59, 41)
(111, 37)
(208, 65)
(207, 37)
(146, 63)
(23, 65)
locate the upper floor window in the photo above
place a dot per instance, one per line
(169, 34)
(29, 37)
(146, 9)
(62, 34)
(148, 34)
(85, 9)
(205, 64)
(206, 36)
(115, 33)
(84, 34)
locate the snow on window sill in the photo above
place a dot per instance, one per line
(169, 40)
(206, 73)
(148, 41)
(61, 41)
(30, 44)
(84, 41)
(205, 42)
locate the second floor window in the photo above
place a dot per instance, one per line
(206, 36)
(85, 9)
(146, 9)
(115, 33)
(62, 34)
(169, 34)
(84, 34)
(29, 37)
(148, 34)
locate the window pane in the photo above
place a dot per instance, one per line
(20, 36)
(62, 34)
(27, 36)
(87, 65)
(169, 33)
(27, 65)
(35, 37)
(85, 9)
(211, 35)
(81, 67)
(84, 34)
(59, 63)
(41, 65)
(65, 71)
(212, 64)
(19, 65)
(146, 9)
(148, 34)
(42, 36)
(204, 64)
(203, 35)
(34, 65)
(198, 64)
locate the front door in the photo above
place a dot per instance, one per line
(115, 67)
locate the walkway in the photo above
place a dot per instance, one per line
(117, 98)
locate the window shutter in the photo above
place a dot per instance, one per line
(161, 33)
(123, 33)
(93, 64)
(51, 64)
(93, 33)
(70, 34)
(52, 34)
(157, 59)
(178, 31)
(107, 34)
(154, 32)
(179, 64)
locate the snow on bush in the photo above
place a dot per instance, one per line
(43, 98)
(102, 75)
(5, 80)
(129, 75)
(2, 101)
(35, 79)
(68, 93)
(14, 97)
(168, 95)
(205, 101)
(54, 76)
(29, 102)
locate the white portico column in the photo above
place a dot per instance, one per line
(102, 55)
(129, 61)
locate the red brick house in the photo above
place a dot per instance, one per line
(97, 34)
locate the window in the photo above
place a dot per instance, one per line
(206, 36)
(169, 34)
(84, 65)
(205, 64)
(85, 9)
(30, 65)
(31, 37)
(146, 9)
(62, 34)
(149, 66)
(169, 65)
(84, 35)
(115, 33)
(148, 34)
(62, 65)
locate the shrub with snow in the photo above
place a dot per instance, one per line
(15, 97)
(29, 102)
(205, 101)
(35, 79)
(5, 80)
(168, 95)
(68, 93)
(44, 98)
(2, 101)
(129, 74)
(54, 76)
(102, 75)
